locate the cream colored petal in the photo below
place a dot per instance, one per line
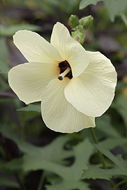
(35, 48)
(28, 80)
(58, 114)
(69, 49)
(92, 93)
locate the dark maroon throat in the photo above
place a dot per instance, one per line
(63, 66)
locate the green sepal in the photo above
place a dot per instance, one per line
(73, 21)
(86, 21)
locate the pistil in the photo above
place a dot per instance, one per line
(62, 75)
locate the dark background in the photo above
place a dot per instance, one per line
(22, 126)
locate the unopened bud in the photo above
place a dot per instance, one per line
(86, 21)
(73, 21)
(79, 36)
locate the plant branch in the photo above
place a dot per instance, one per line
(102, 160)
(41, 181)
(96, 142)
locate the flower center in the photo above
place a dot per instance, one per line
(65, 70)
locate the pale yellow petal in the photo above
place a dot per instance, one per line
(93, 91)
(58, 114)
(28, 80)
(69, 49)
(35, 48)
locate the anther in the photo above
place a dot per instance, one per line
(62, 75)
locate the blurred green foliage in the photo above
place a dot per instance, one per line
(114, 7)
(34, 157)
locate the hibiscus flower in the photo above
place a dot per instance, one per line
(73, 85)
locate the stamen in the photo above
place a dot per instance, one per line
(62, 75)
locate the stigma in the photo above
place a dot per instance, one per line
(62, 75)
(64, 70)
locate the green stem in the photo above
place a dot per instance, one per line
(124, 18)
(96, 142)
(41, 181)
(112, 185)
(102, 160)
(22, 187)
(120, 183)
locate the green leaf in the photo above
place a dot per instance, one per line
(52, 158)
(72, 179)
(47, 157)
(8, 183)
(7, 131)
(121, 106)
(53, 151)
(117, 160)
(31, 107)
(104, 126)
(124, 18)
(114, 7)
(81, 161)
(85, 3)
(10, 30)
(94, 172)
(68, 185)
(49, 160)
(111, 143)
(120, 168)
(4, 67)
(15, 164)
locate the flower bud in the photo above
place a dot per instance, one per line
(73, 21)
(86, 21)
(79, 36)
